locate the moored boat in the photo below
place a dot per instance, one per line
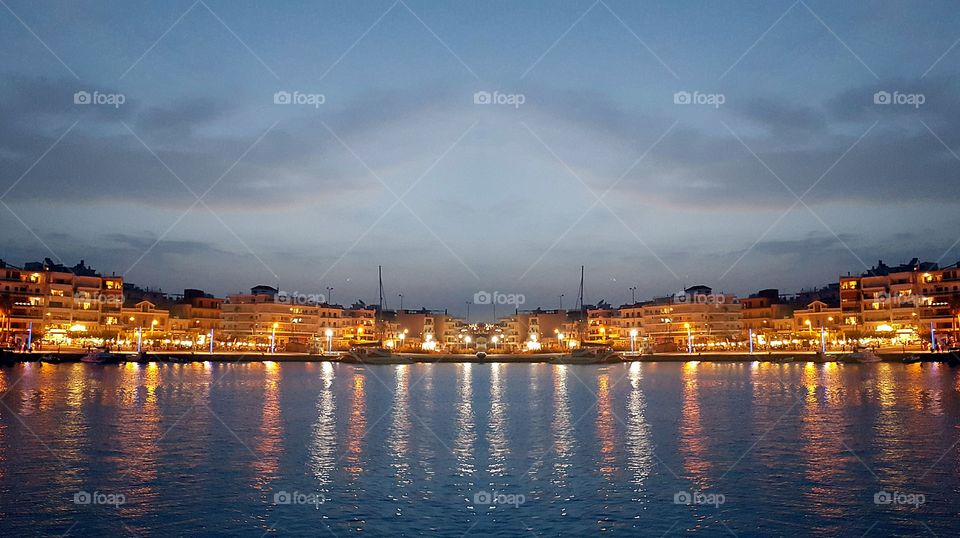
(52, 359)
(373, 355)
(862, 356)
(102, 356)
(911, 359)
(7, 357)
(782, 360)
(589, 355)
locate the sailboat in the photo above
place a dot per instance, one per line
(375, 354)
(586, 353)
(861, 356)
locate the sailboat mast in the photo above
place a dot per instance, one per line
(380, 305)
(581, 311)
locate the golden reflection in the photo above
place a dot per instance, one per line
(30, 397)
(463, 444)
(4, 387)
(323, 444)
(74, 431)
(358, 425)
(605, 427)
(47, 379)
(822, 431)
(562, 426)
(692, 442)
(398, 439)
(423, 390)
(269, 442)
(497, 423)
(138, 434)
(639, 448)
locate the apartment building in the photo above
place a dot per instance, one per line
(58, 303)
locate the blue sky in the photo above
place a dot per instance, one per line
(492, 197)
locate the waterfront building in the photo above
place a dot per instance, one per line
(536, 330)
(197, 313)
(940, 306)
(896, 305)
(817, 319)
(427, 329)
(696, 317)
(768, 317)
(601, 323)
(144, 319)
(59, 304)
(257, 319)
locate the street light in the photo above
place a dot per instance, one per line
(273, 338)
(329, 295)
(689, 338)
(633, 295)
(403, 337)
(329, 333)
(633, 340)
(401, 302)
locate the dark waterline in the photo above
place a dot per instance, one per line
(404, 450)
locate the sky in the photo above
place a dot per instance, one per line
(220, 144)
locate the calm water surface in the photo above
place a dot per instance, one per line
(454, 449)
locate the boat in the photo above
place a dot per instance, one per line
(821, 357)
(52, 359)
(7, 357)
(177, 359)
(782, 360)
(140, 357)
(862, 356)
(102, 356)
(373, 355)
(588, 355)
(911, 359)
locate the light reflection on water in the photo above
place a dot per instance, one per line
(795, 448)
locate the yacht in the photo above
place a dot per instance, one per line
(102, 356)
(861, 356)
(588, 355)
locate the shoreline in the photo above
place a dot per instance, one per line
(506, 358)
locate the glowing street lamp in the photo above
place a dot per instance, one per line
(689, 338)
(329, 333)
(633, 340)
(273, 338)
